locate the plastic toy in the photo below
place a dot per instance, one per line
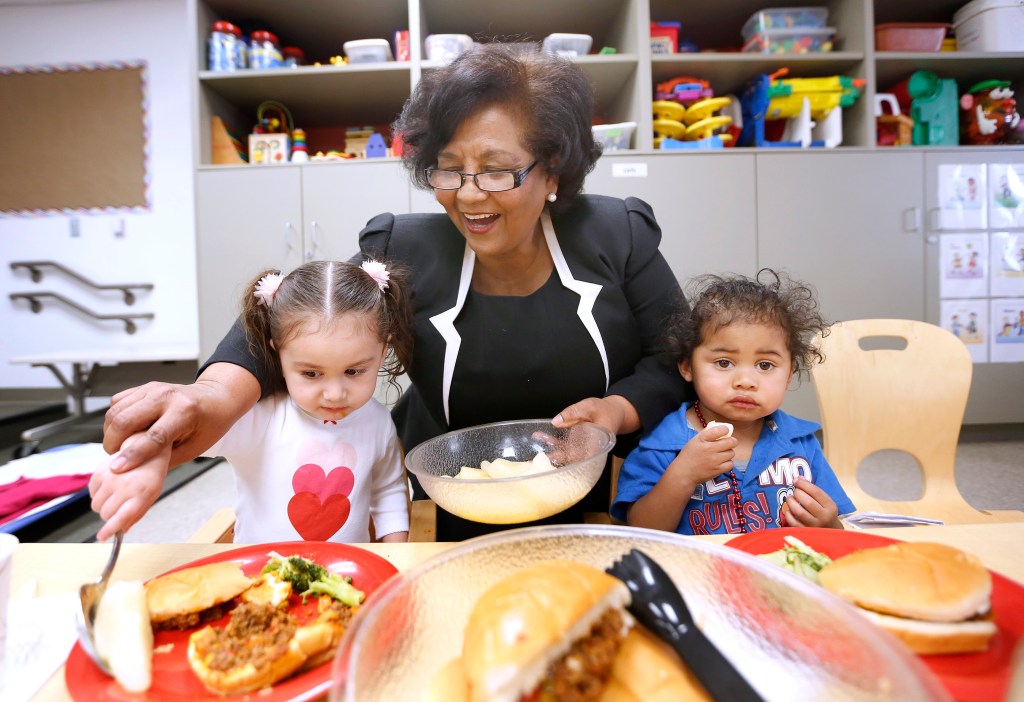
(712, 142)
(225, 147)
(269, 140)
(811, 108)
(894, 128)
(376, 147)
(683, 89)
(989, 114)
(933, 109)
(300, 153)
(697, 122)
(687, 110)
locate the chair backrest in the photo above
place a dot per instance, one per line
(911, 399)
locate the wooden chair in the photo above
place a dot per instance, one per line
(218, 529)
(912, 399)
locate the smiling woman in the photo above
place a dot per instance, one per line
(529, 299)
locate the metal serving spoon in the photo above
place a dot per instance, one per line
(658, 605)
(90, 594)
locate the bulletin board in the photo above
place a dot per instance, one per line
(73, 138)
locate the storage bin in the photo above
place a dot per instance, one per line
(445, 47)
(368, 51)
(614, 136)
(910, 36)
(567, 44)
(990, 25)
(784, 18)
(792, 41)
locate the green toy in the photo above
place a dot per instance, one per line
(935, 109)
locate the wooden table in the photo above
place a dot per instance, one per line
(62, 568)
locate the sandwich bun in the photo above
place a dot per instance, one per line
(124, 637)
(532, 619)
(179, 599)
(647, 670)
(935, 598)
(932, 638)
(450, 684)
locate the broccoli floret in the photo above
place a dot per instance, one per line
(303, 573)
(338, 587)
(309, 578)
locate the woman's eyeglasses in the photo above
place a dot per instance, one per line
(490, 181)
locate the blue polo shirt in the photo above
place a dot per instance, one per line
(786, 449)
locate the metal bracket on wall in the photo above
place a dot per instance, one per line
(36, 269)
(36, 305)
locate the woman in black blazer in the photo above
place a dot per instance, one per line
(530, 299)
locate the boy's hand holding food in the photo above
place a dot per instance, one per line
(810, 506)
(705, 456)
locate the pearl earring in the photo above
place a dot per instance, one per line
(552, 197)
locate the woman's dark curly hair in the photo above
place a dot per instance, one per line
(716, 301)
(550, 95)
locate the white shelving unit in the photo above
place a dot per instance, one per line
(850, 219)
(329, 95)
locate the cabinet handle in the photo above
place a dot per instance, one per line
(314, 235)
(912, 220)
(289, 235)
(933, 219)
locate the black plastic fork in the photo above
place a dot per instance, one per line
(658, 605)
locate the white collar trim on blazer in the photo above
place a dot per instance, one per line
(445, 321)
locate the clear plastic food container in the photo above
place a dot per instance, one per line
(445, 47)
(368, 51)
(775, 18)
(614, 136)
(568, 44)
(792, 41)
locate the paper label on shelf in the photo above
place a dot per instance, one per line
(629, 170)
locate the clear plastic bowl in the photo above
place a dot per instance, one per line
(578, 452)
(791, 639)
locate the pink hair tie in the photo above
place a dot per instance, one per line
(377, 271)
(266, 289)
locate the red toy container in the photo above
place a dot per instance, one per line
(664, 37)
(910, 36)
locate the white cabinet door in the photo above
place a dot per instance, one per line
(249, 219)
(849, 224)
(338, 200)
(704, 203)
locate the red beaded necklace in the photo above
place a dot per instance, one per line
(735, 497)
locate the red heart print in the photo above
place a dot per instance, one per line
(316, 520)
(311, 478)
(320, 506)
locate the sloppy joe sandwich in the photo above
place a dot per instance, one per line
(548, 631)
(186, 598)
(261, 645)
(646, 669)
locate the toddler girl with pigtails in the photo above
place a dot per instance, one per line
(318, 458)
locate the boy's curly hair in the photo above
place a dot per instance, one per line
(771, 297)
